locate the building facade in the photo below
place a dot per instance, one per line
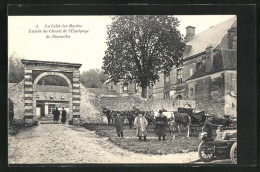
(208, 73)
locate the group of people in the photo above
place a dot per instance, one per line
(56, 115)
(161, 125)
(141, 124)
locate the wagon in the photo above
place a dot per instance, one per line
(197, 120)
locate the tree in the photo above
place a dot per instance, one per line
(93, 78)
(139, 47)
(15, 69)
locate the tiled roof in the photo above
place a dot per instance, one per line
(53, 88)
(222, 60)
(208, 37)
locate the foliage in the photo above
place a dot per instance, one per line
(53, 80)
(16, 73)
(93, 78)
(15, 69)
(139, 47)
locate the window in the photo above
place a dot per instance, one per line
(179, 75)
(166, 78)
(51, 108)
(125, 89)
(198, 65)
(191, 91)
(166, 95)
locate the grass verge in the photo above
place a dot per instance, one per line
(130, 142)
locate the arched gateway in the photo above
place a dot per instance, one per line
(33, 100)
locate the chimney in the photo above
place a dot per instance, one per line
(209, 58)
(190, 32)
(231, 34)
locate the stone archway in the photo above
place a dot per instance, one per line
(51, 73)
(35, 70)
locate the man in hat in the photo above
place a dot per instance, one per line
(141, 126)
(56, 115)
(63, 116)
(161, 125)
(208, 126)
(11, 111)
(119, 123)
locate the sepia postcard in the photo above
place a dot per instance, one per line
(122, 89)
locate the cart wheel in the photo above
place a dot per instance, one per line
(233, 153)
(205, 157)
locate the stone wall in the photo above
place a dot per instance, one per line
(209, 95)
(16, 94)
(127, 103)
(90, 107)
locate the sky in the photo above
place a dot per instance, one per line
(27, 36)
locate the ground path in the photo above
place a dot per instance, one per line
(59, 143)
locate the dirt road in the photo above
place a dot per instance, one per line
(59, 144)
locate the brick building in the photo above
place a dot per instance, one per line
(123, 89)
(208, 73)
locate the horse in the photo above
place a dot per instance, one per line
(175, 120)
(107, 112)
(130, 115)
(149, 115)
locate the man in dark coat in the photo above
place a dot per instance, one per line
(11, 111)
(208, 126)
(131, 117)
(161, 125)
(63, 116)
(119, 123)
(56, 115)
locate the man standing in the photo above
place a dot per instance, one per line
(141, 126)
(131, 118)
(161, 125)
(208, 126)
(63, 116)
(11, 111)
(119, 123)
(56, 115)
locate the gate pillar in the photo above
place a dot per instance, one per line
(28, 96)
(76, 98)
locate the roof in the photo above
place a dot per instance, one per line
(211, 36)
(50, 63)
(53, 88)
(222, 60)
